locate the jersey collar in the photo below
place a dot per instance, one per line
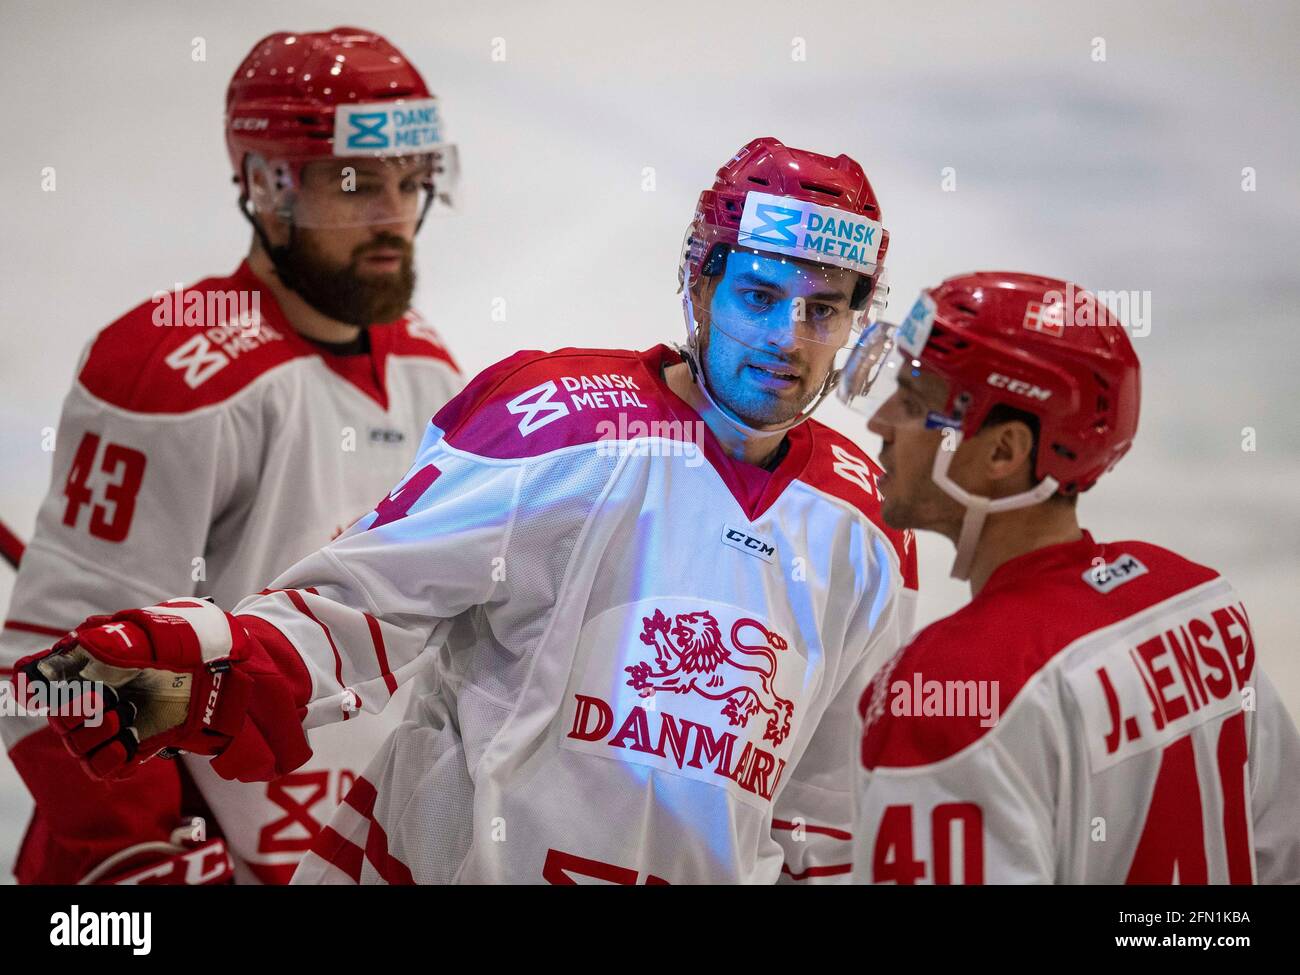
(754, 488)
(1041, 561)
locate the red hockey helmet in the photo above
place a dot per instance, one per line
(770, 197)
(805, 223)
(1038, 344)
(346, 92)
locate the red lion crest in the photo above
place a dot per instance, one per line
(690, 657)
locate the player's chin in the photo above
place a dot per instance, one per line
(762, 414)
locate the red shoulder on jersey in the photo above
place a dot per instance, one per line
(841, 468)
(536, 402)
(1031, 609)
(414, 337)
(190, 347)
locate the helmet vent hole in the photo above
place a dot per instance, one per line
(819, 188)
(1064, 451)
(967, 310)
(759, 180)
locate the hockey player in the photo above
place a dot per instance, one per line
(655, 591)
(1096, 713)
(220, 432)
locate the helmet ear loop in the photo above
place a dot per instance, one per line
(697, 331)
(978, 507)
(424, 210)
(275, 253)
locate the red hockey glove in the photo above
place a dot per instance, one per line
(123, 688)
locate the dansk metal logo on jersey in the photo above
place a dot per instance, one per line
(709, 693)
(539, 406)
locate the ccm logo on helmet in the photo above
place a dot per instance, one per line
(250, 124)
(1017, 386)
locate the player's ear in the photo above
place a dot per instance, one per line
(1009, 454)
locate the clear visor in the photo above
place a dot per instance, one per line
(866, 363)
(356, 192)
(764, 299)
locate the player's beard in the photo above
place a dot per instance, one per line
(343, 293)
(749, 405)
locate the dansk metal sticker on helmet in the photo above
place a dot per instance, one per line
(914, 331)
(387, 128)
(807, 230)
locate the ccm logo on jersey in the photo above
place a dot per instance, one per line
(539, 407)
(748, 544)
(1018, 386)
(1105, 577)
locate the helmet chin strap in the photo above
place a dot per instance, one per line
(693, 356)
(978, 508)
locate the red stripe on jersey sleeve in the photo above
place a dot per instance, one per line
(300, 604)
(831, 831)
(381, 654)
(23, 627)
(339, 851)
(362, 797)
(831, 870)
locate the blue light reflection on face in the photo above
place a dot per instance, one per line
(777, 304)
(754, 321)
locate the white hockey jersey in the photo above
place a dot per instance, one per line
(1095, 715)
(205, 460)
(649, 654)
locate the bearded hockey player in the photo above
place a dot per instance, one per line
(1097, 713)
(220, 432)
(654, 588)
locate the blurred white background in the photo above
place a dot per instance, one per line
(1122, 174)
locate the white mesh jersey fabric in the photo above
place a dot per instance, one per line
(630, 699)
